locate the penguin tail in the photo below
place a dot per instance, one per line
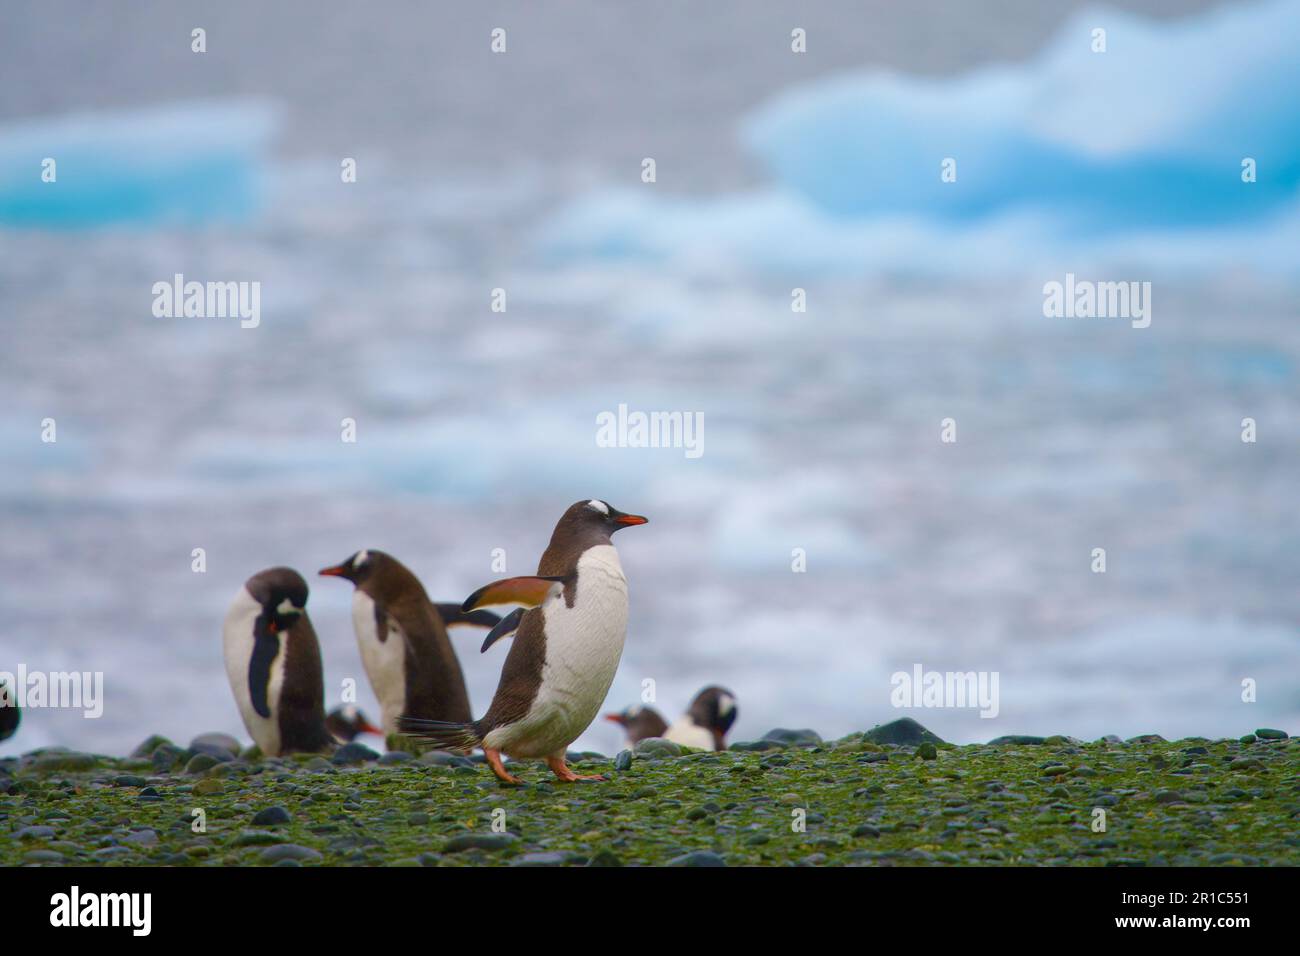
(452, 615)
(442, 734)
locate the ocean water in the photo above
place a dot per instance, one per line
(475, 429)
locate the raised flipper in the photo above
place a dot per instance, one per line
(529, 591)
(452, 615)
(504, 628)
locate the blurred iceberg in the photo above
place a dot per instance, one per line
(1153, 130)
(1074, 159)
(186, 163)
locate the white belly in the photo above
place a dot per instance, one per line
(385, 661)
(688, 733)
(237, 642)
(583, 646)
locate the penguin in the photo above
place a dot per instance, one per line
(705, 725)
(403, 640)
(566, 649)
(273, 662)
(347, 723)
(639, 723)
(10, 715)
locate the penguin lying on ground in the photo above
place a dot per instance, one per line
(347, 723)
(402, 635)
(566, 649)
(273, 662)
(703, 726)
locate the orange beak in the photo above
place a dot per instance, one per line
(614, 718)
(631, 519)
(335, 572)
(369, 728)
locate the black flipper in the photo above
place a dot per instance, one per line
(266, 645)
(451, 614)
(504, 628)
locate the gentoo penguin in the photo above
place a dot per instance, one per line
(706, 724)
(565, 651)
(403, 639)
(10, 715)
(347, 723)
(639, 723)
(273, 662)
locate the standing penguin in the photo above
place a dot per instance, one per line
(10, 715)
(565, 652)
(403, 640)
(705, 725)
(273, 662)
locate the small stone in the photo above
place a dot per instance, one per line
(165, 757)
(902, 732)
(42, 856)
(479, 841)
(794, 738)
(52, 761)
(658, 747)
(393, 757)
(215, 743)
(34, 833)
(207, 787)
(129, 780)
(1016, 740)
(605, 857)
(257, 838)
(927, 751)
(1247, 739)
(353, 753)
(149, 745)
(866, 830)
(145, 837)
(623, 761)
(548, 858)
(200, 762)
(289, 851)
(698, 858)
(1268, 733)
(272, 817)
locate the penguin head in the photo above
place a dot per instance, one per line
(347, 722)
(639, 722)
(359, 567)
(599, 515)
(714, 709)
(282, 593)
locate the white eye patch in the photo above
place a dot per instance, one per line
(286, 607)
(725, 705)
(361, 558)
(598, 506)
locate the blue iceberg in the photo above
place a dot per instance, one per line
(186, 164)
(1153, 131)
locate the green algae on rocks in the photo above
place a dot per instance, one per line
(1048, 801)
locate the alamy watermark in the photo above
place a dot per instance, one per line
(624, 429)
(64, 690)
(209, 300)
(949, 689)
(1084, 299)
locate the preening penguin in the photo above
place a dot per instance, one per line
(273, 662)
(565, 652)
(402, 636)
